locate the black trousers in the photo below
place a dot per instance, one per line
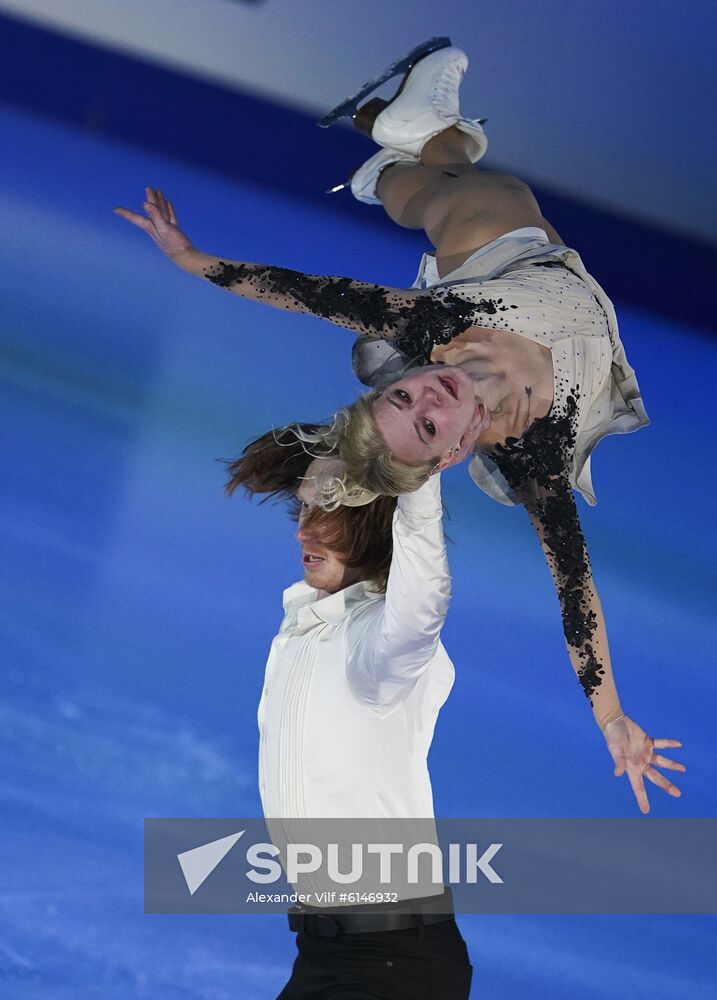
(415, 963)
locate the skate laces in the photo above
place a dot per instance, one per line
(445, 90)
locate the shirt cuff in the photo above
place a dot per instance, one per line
(425, 501)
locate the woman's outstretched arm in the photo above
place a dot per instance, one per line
(371, 309)
(554, 516)
(557, 525)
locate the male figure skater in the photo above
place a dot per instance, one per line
(354, 682)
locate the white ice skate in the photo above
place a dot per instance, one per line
(363, 182)
(349, 107)
(425, 104)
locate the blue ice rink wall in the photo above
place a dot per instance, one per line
(138, 603)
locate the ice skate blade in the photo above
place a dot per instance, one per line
(349, 107)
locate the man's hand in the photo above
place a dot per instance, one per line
(160, 223)
(633, 751)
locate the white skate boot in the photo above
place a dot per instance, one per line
(425, 104)
(363, 182)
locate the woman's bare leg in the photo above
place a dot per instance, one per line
(460, 207)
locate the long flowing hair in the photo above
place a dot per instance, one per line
(273, 467)
(371, 468)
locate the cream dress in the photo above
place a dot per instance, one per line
(522, 283)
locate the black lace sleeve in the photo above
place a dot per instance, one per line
(437, 318)
(414, 321)
(535, 466)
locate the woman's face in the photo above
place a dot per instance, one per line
(426, 414)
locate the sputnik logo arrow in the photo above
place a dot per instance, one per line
(200, 862)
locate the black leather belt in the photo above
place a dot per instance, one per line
(428, 910)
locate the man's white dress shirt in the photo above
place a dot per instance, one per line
(355, 681)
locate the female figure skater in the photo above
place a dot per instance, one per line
(505, 349)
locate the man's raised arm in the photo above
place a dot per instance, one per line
(389, 651)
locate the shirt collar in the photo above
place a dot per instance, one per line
(303, 611)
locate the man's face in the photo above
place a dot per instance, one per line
(324, 568)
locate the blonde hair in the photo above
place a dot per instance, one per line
(333, 490)
(370, 465)
(274, 466)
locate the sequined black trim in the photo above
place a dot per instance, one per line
(438, 318)
(535, 467)
(414, 323)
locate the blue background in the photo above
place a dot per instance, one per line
(138, 603)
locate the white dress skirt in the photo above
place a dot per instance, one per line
(523, 283)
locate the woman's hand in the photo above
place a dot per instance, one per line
(633, 751)
(160, 223)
